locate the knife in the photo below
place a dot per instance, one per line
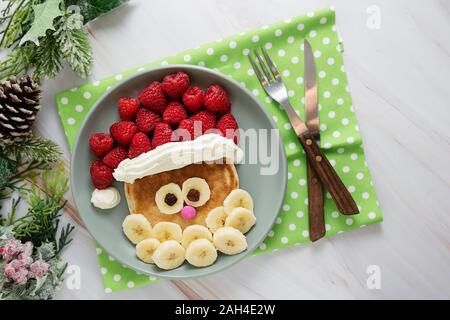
(276, 89)
(315, 187)
(321, 165)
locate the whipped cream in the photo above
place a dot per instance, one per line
(174, 155)
(105, 198)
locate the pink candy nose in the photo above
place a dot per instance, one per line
(188, 213)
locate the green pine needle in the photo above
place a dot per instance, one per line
(19, 60)
(34, 149)
(47, 59)
(41, 223)
(74, 44)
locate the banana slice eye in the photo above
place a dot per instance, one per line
(196, 191)
(169, 198)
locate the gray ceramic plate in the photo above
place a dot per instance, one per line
(106, 225)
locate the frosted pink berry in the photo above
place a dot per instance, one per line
(25, 261)
(27, 249)
(11, 248)
(9, 271)
(21, 276)
(15, 264)
(39, 268)
(188, 213)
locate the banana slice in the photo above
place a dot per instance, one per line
(195, 232)
(229, 240)
(146, 248)
(196, 191)
(241, 219)
(169, 198)
(201, 253)
(164, 231)
(216, 219)
(136, 227)
(169, 255)
(238, 198)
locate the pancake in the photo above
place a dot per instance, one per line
(221, 178)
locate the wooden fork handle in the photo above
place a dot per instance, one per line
(330, 179)
(315, 205)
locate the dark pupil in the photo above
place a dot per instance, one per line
(170, 199)
(193, 195)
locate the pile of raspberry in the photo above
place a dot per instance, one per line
(167, 111)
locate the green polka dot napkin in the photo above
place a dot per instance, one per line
(341, 139)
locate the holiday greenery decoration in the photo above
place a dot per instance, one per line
(44, 14)
(22, 162)
(41, 34)
(19, 103)
(31, 243)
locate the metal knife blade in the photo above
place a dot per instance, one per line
(311, 104)
(315, 188)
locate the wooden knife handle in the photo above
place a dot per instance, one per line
(315, 206)
(330, 179)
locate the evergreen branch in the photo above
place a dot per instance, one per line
(74, 44)
(41, 223)
(47, 60)
(10, 217)
(34, 149)
(64, 239)
(18, 61)
(5, 41)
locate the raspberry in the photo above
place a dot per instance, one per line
(185, 131)
(101, 174)
(216, 99)
(127, 108)
(162, 135)
(206, 118)
(174, 113)
(175, 84)
(115, 156)
(153, 98)
(101, 144)
(146, 120)
(193, 99)
(228, 127)
(123, 132)
(140, 144)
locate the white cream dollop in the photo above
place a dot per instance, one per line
(105, 198)
(174, 155)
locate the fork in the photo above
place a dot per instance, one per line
(273, 85)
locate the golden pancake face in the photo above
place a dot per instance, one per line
(220, 179)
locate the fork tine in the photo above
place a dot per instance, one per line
(272, 67)
(260, 76)
(269, 76)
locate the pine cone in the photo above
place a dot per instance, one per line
(19, 103)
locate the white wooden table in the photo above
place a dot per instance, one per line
(399, 78)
